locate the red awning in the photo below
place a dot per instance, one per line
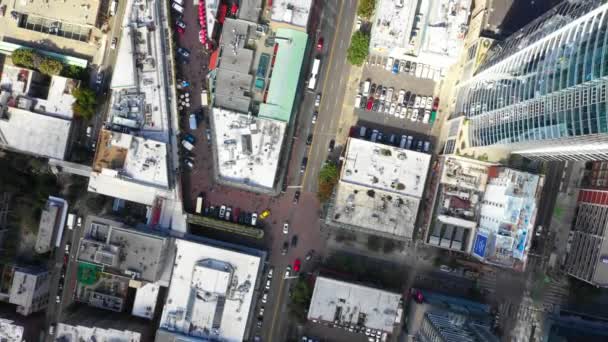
(213, 59)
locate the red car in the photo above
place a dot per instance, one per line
(436, 103)
(320, 44)
(370, 103)
(296, 265)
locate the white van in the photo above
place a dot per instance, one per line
(179, 2)
(177, 8)
(365, 90)
(204, 98)
(358, 101)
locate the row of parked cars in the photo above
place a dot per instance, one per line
(235, 215)
(404, 141)
(402, 104)
(397, 66)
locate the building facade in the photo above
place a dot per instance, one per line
(545, 83)
(587, 257)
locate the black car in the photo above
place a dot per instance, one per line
(296, 197)
(332, 144)
(303, 166)
(183, 52)
(309, 139)
(407, 66)
(294, 241)
(406, 98)
(285, 248)
(363, 102)
(180, 24)
(376, 105)
(372, 90)
(412, 100)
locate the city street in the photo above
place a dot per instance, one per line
(335, 73)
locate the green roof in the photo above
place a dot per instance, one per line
(285, 75)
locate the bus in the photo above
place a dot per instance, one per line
(199, 204)
(314, 74)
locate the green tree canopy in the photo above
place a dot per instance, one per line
(328, 177)
(75, 72)
(366, 8)
(50, 66)
(23, 58)
(84, 106)
(358, 49)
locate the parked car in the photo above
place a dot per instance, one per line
(370, 103)
(314, 117)
(309, 139)
(296, 197)
(183, 52)
(265, 298)
(320, 44)
(254, 219)
(389, 94)
(363, 102)
(415, 115)
(332, 143)
(222, 212)
(267, 287)
(401, 96)
(270, 272)
(383, 94)
(435, 104)
(403, 112)
(419, 146)
(286, 228)
(427, 147)
(189, 162)
(417, 102)
(303, 166)
(285, 248)
(317, 100)
(294, 241)
(309, 254)
(429, 103)
(389, 63)
(114, 43)
(297, 264)
(228, 213)
(396, 66)
(413, 67)
(410, 139)
(392, 108)
(181, 24)
(357, 100)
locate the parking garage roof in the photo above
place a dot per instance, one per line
(76, 333)
(247, 147)
(334, 300)
(385, 167)
(285, 74)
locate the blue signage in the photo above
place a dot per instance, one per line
(479, 248)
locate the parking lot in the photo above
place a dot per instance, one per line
(381, 113)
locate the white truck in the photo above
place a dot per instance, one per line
(113, 7)
(71, 221)
(204, 98)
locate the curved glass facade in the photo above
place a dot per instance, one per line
(547, 81)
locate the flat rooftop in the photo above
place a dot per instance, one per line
(211, 292)
(289, 54)
(72, 11)
(247, 147)
(392, 25)
(294, 12)
(76, 333)
(384, 167)
(335, 300)
(138, 93)
(145, 301)
(375, 210)
(52, 133)
(10, 331)
(114, 245)
(465, 173)
(132, 158)
(507, 219)
(49, 95)
(250, 10)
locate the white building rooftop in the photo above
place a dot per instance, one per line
(47, 97)
(427, 31)
(380, 211)
(129, 167)
(211, 292)
(138, 98)
(9, 331)
(145, 300)
(70, 11)
(72, 333)
(294, 12)
(247, 147)
(386, 168)
(335, 300)
(38, 134)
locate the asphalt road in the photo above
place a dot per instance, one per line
(336, 21)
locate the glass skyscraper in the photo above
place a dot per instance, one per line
(543, 90)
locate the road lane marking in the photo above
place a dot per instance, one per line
(331, 57)
(276, 308)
